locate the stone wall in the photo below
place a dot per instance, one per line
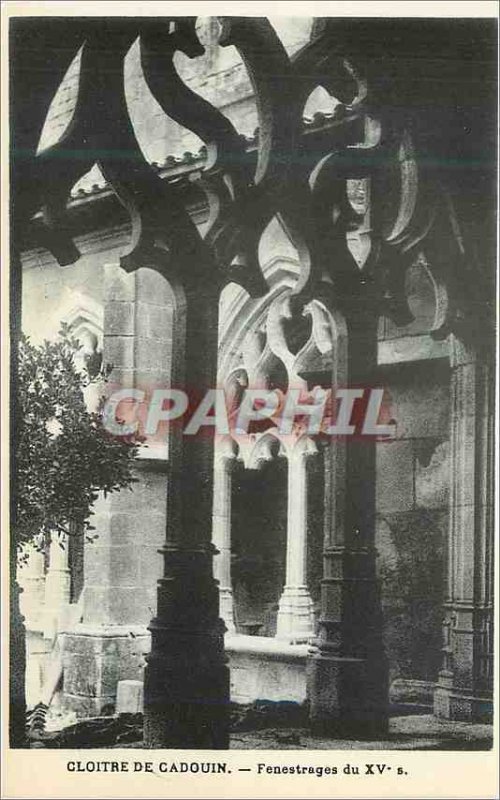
(413, 479)
(412, 518)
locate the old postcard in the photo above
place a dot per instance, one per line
(249, 399)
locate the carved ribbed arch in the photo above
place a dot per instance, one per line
(381, 132)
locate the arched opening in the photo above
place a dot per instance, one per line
(259, 533)
(320, 101)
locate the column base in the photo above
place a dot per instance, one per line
(460, 704)
(348, 697)
(94, 659)
(295, 622)
(226, 610)
(186, 690)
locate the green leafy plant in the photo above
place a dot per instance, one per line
(65, 455)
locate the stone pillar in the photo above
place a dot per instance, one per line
(221, 535)
(186, 682)
(57, 583)
(347, 669)
(465, 684)
(296, 611)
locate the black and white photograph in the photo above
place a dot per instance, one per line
(249, 382)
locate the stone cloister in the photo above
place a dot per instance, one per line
(352, 246)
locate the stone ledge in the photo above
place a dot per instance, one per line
(265, 645)
(419, 347)
(107, 631)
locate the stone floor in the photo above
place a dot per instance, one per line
(414, 732)
(421, 731)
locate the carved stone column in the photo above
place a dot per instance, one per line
(347, 670)
(186, 681)
(221, 535)
(295, 612)
(465, 685)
